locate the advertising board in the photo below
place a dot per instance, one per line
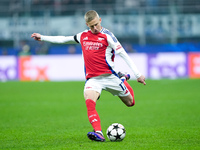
(71, 67)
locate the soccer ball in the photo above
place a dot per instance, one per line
(116, 132)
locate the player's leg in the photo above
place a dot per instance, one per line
(128, 100)
(90, 100)
(91, 97)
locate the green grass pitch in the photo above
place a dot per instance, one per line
(52, 116)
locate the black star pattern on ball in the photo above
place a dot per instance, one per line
(115, 127)
(109, 133)
(118, 136)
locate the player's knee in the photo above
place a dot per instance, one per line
(128, 101)
(132, 103)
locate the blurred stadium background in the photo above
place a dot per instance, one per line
(162, 36)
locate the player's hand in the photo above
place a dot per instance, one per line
(141, 79)
(36, 36)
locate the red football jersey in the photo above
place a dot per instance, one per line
(98, 52)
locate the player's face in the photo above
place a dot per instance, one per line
(95, 25)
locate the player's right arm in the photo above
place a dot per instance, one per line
(36, 36)
(54, 39)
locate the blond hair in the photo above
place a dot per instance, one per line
(90, 15)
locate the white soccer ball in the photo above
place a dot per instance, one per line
(116, 132)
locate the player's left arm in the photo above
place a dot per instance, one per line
(128, 60)
(115, 44)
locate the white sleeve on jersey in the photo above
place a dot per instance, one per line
(78, 36)
(114, 43)
(59, 39)
(130, 63)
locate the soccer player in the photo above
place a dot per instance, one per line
(99, 46)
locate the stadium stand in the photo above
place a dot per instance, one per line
(58, 8)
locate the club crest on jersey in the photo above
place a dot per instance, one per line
(100, 39)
